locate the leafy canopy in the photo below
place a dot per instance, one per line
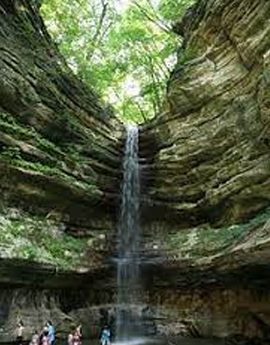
(125, 49)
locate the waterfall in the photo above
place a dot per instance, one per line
(128, 263)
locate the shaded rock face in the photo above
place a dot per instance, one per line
(211, 313)
(205, 164)
(60, 148)
(27, 305)
(211, 161)
(57, 142)
(171, 313)
(36, 307)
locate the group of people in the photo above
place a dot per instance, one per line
(47, 335)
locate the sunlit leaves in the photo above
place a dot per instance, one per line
(125, 55)
(172, 10)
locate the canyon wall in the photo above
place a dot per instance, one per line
(60, 147)
(210, 160)
(206, 172)
(60, 174)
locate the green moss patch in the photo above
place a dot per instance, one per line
(39, 239)
(205, 240)
(71, 167)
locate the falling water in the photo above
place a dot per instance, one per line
(128, 268)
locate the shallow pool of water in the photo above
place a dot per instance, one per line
(150, 341)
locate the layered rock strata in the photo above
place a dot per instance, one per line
(211, 158)
(60, 148)
(60, 169)
(206, 173)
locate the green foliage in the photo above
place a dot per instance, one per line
(39, 239)
(26, 133)
(172, 10)
(125, 53)
(10, 153)
(55, 172)
(186, 56)
(28, 251)
(62, 130)
(206, 240)
(57, 162)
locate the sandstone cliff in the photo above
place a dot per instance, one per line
(60, 148)
(212, 139)
(206, 158)
(206, 173)
(60, 168)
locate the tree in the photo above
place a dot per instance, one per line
(125, 54)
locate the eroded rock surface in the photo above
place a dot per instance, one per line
(212, 140)
(206, 170)
(60, 147)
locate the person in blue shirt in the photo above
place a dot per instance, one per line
(51, 332)
(105, 336)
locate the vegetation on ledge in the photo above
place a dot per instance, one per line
(23, 147)
(205, 240)
(36, 238)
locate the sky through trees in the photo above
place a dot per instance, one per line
(125, 49)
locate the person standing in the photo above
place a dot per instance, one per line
(19, 332)
(51, 332)
(78, 333)
(79, 330)
(77, 336)
(105, 336)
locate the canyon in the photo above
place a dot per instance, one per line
(205, 182)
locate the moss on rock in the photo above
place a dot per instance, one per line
(36, 238)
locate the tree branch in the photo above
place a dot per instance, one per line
(157, 21)
(96, 37)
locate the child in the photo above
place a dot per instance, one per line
(35, 339)
(51, 332)
(77, 337)
(44, 338)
